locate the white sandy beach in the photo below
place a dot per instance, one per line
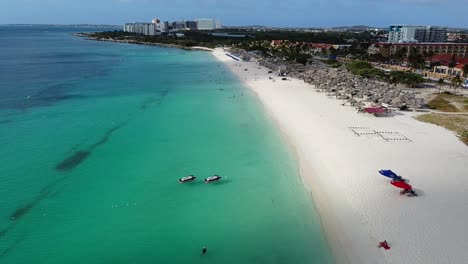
(357, 205)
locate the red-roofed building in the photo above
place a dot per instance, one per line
(390, 49)
(276, 42)
(444, 61)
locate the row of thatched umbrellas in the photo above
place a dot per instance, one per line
(341, 84)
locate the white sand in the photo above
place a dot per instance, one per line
(358, 207)
(201, 48)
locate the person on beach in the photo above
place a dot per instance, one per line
(204, 251)
(383, 244)
(408, 192)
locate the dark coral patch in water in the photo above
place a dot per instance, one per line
(149, 102)
(106, 136)
(4, 231)
(67, 164)
(74, 160)
(155, 101)
(6, 121)
(7, 250)
(80, 156)
(21, 211)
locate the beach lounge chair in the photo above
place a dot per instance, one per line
(375, 110)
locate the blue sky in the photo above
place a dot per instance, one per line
(240, 12)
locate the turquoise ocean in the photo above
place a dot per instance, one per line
(95, 135)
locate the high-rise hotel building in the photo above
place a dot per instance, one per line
(205, 24)
(415, 34)
(148, 29)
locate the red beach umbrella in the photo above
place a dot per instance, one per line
(401, 184)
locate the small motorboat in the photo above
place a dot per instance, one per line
(213, 178)
(187, 179)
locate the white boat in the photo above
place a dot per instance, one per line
(187, 179)
(213, 178)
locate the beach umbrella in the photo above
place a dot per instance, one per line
(401, 184)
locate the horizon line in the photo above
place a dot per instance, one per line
(233, 26)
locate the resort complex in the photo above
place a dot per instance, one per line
(279, 137)
(414, 34)
(396, 98)
(391, 49)
(156, 27)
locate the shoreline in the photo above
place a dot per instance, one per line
(338, 167)
(319, 198)
(194, 48)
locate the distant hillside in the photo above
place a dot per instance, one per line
(357, 27)
(340, 28)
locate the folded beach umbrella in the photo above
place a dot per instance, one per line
(401, 184)
(389, 174)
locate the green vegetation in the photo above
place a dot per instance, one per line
(457, 123)
(299, 57)
(465, 70)
(298, 36)
(439, 103)
(453, 62)
(454, 120)
(408, 78)
(440, 83)
(204, 38)
(456, 81)
(190, 38)
(364, 69)
(293, 50)
(464, 136)
(400, 54)
(415, 59)
(447, 102)
(332, 63)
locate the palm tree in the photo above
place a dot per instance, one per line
(452, 63)
(401, 54)
(440, 82)
(415, 59)
(430, 54)
(456, 81)
(465, 70)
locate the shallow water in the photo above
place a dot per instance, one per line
(95, 135)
